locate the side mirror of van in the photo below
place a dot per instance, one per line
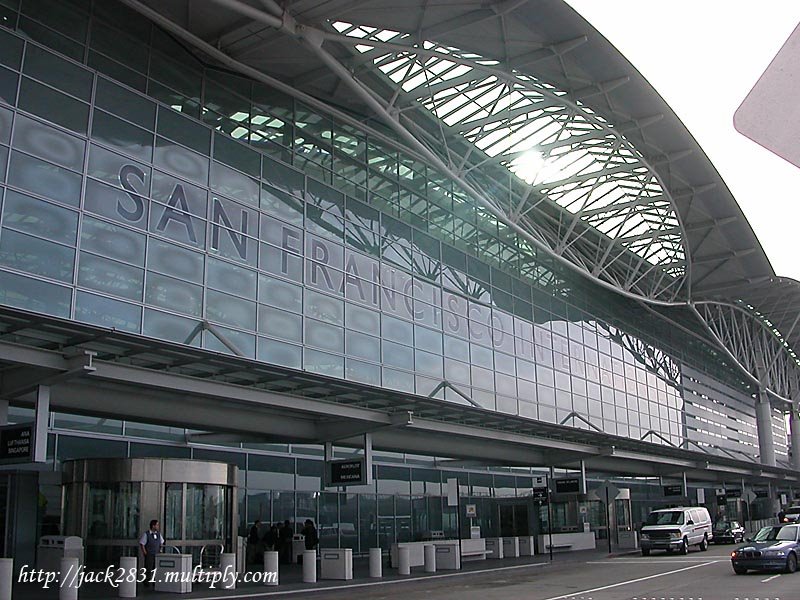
(690, 522)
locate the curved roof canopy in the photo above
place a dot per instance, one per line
(538, 117)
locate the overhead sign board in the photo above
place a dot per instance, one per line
(347, 472)
(733, 493)
(16, 444)
(770, 114)
(568, 485)
(675, 489)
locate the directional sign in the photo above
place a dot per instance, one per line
(16, 444)
(770, 114)
(539, 494)
(346, 472)
(676, 489)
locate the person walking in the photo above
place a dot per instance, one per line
(311, 536)
(150, 545)
(285, 541)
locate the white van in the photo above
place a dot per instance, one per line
(678, 528)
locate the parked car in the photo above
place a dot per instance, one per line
(728, 532)
(791, 514)
(678, 528)
(772, 548)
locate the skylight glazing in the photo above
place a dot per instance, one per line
(559, 151)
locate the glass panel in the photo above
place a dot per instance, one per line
(62, 74)
(107, 312)
(122, 135)
(33, 295)
(36, 256)
(53, 106)
(206, 509)
(173, 512)
(48, 143)
(110, 276)
(125, 104)
(112, 241)
(44, 179)
(173, 294)
(40, 218)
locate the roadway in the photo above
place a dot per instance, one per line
(697, 576)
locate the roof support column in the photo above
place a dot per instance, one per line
(3, 412)
(766, 443)
(794, 431)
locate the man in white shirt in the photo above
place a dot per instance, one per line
(150, 544)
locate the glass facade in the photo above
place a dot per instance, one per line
(147, 192)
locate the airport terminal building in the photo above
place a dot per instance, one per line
(241, 240)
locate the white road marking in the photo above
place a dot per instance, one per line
(637, 580)
(333, 588)
(770, 578)
(631, 561)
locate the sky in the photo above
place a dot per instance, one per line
(703, 57)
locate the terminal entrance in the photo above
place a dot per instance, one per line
(110, 503)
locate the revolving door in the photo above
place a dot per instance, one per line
(110, 503)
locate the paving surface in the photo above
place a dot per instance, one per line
(591, 575)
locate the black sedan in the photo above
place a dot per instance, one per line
(772, 548)
(728, 532)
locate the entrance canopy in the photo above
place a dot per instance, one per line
(228, 399)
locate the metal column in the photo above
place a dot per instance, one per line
(766, 444)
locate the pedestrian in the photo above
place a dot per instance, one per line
(271, 538)
(285, 540)
(150, 544)
(781, 516)
(253, 542)
(310, 534)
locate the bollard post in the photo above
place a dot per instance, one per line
(270, 566)
(227, 564)
(309, 566)
(6, 577)
(127, 584)
(69, 580)
(430, 558)
(403, 560)
(375, 563)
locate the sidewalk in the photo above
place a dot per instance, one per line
(291, 579)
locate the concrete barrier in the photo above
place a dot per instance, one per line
(227, 564)
(68, 582)
(375, 563)
(403, 560)
(6, 577)
(309, 566)
(271, 566)
(127, 584)
(430, 558)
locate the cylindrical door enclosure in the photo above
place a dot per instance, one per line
(110, 503)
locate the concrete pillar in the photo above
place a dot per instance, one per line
(6, 577)
(794, 434)
(766, 444)
(271, 566)
(403, 560)
(127, 584)
(375, 563)
(69, 579)
(3, 412)
(227, 564)
(309, 566)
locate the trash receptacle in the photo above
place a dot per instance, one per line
(52, 548)
(298, 547)
(174, 573)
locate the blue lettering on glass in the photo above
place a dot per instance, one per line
(178, 210)
(137, 212)
(239, 241)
